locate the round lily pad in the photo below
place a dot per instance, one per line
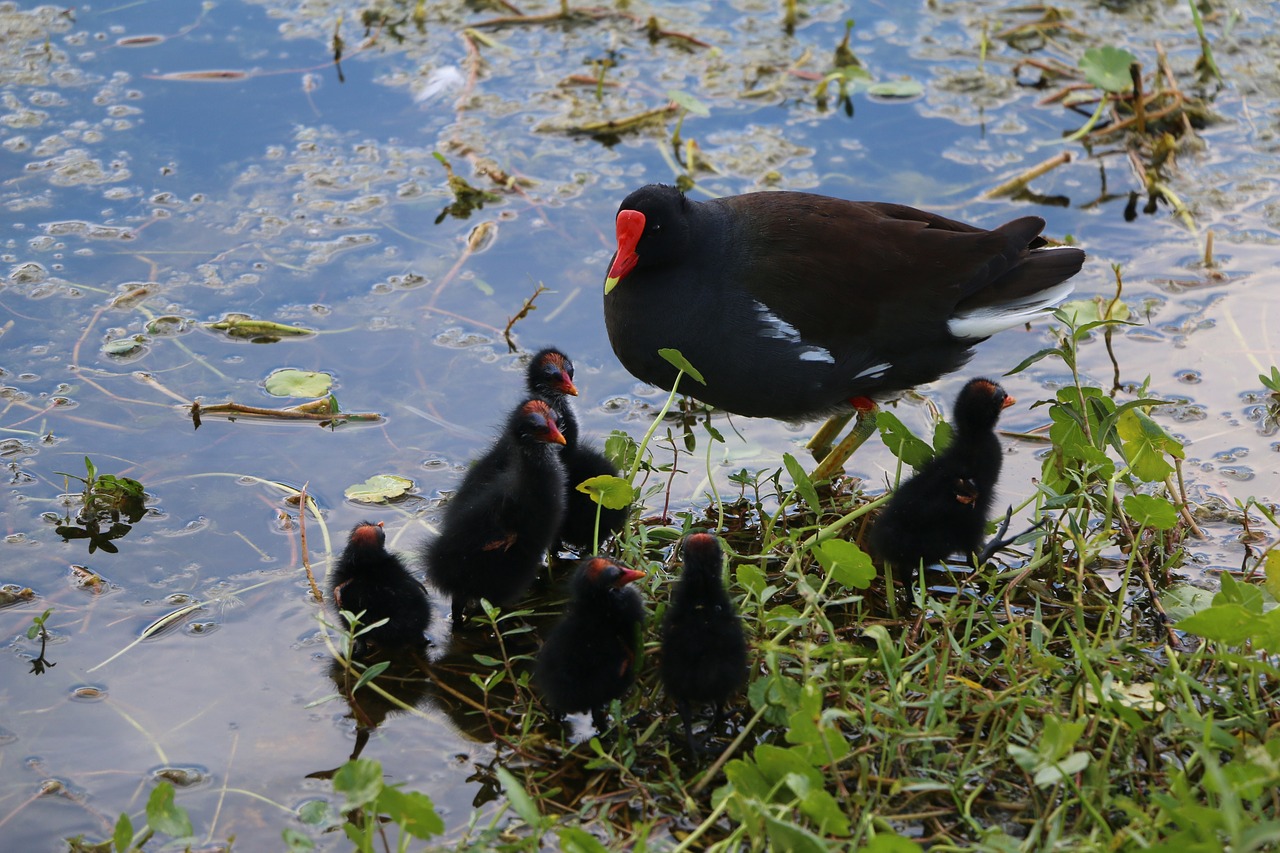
(288, 382)
(380, 488)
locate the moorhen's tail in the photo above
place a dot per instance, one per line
(1036, 281)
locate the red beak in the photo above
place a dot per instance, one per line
(629, 575)
(1008, 401)
(566, 384)
(630, 227)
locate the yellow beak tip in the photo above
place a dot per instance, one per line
(610, 283)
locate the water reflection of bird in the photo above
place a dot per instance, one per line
(550, 377)
(943, 509)
(797, 306)
(704, 652)
(590, 657)
(504, 515)
(373, 584)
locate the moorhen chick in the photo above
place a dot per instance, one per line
(504, 515)
(943, 508)
(550, 377)
(704, 652)
(589, 658)
(798, 306)
(373, 584)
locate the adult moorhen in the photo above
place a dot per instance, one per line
(373, 584)
(550, 377)
(704, 652)
(797, 306)
(943, 508)
(589, 658)
(504, 515)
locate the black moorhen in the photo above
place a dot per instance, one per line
(589, 658)
(504, 515)
(373, 584)
(943, 508)
(704, 652)
(797, 306)
(550, 376)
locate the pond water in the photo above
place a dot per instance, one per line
(165, 167)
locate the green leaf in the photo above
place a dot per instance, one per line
(901, 442)
(823, 809)
(296, 841)
(1272, 569)
(412, 810)
(678, 361)
(314, 812)
(1145, 446)
(164, 815)
(785, 835)
(776, 763)
(848, 564)
(288, 382)
(1108, 68)
(122, 838)
(256, 331)
(1182, 600)
(370, 674)
(1151, 511)
(803, 484)
(121, 347)
(1083, 312)
(576, 840)
(519, 798)
(751, 577)
(688, 103)
(896, 89)
(889, 842)
(1227, 623)
(1033, 358)
(613, 492)
(745, 778)
(380, 488)
(359, 781)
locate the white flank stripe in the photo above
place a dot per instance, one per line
(774, 326)
(875, 371)
(817, 354)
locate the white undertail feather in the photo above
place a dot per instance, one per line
(986, 321)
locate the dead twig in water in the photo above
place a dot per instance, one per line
(521, 314)
(302, 534)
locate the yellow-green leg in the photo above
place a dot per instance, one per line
(863, 427)
(826, 434)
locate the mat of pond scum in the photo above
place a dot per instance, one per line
(145, 198)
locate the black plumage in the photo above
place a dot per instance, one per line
(550, 377)
(795, 306)
(704, 651)
(591, 656)
(943, 509)
(373, 584)
(498, 525)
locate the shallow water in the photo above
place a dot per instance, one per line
(133, 194)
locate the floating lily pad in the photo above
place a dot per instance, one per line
(125, 347)
(380, 488)
(288, 382)
(896, 89)
(690, 104)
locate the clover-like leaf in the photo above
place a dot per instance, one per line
(1108, 68)
(380, 488)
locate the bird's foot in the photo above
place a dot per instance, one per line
(999, 542)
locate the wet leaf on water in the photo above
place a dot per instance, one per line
(613, 492)
(896, 89)
(1182, 600)
(1272, 570)
(166, 816)
(289, 382)
(1081, 311)
(380, 488)
(256, 331)
(688, 103)
(359, 781)
(124, 346)
(1108, 68)
(1145, 445)
(122, 838)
